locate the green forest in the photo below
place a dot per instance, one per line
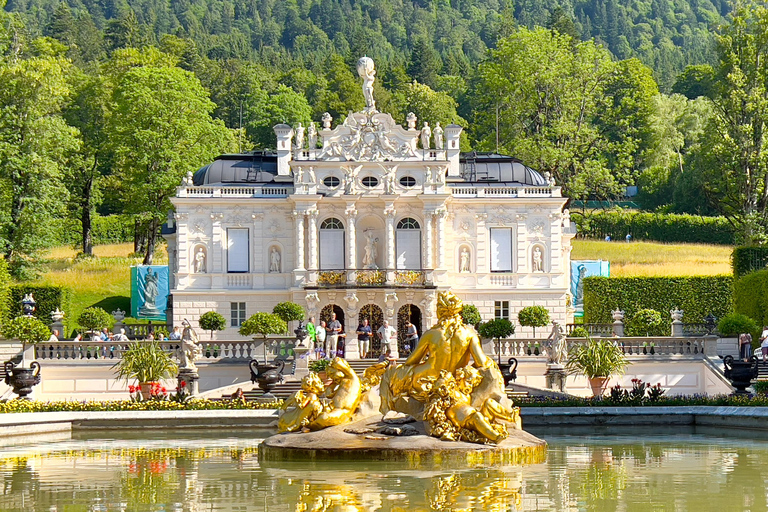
(106, 105)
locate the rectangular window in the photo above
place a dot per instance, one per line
(501, 250)
(501, 309)
(237, 250)
(238, 313)
(331, 249)
(408, 245)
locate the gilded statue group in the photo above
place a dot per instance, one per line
(447, 382)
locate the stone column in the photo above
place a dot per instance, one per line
(313, 255)
(441, 215)
(677, 322)
(428, 260)
(299, 254)
(351, 214)
(618, 322)
(390, 213)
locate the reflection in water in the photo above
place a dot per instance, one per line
(602, 473)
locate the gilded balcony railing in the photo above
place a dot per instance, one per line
(370, 277)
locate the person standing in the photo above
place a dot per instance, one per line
(411, 336)
(311, 331)
(334, 329)
(387, 336)
(745, 346)
(364, 333)
(764, 342)
(320, 335)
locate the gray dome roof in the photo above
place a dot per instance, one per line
(494, 168)
(256, 167)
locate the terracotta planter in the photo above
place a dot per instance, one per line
(145, 388)
(598, 385)
(324, 377)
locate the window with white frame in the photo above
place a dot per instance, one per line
(501, 250)
(331, 244)
(501, 309)
(237, 250)
(237, 316)
(408, 244)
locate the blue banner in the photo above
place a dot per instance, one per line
(149, 291)
(580, 270)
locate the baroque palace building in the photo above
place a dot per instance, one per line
(367, 219)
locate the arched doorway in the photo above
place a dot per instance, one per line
(375, 318)
(405, 313)
(325, 314)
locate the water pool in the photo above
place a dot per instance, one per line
(604, 470)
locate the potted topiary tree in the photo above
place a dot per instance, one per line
(146, 362)
(266, 374)
(497, 330)
(597, 359)
(28, 330)
(533, 316)
(94, 319)
(470, 315)
(212, 321)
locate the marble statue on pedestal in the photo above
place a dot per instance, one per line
(200, 266)
(438, 133)
(365, 69)
(556, 345)
(312, 134)
(426, 134)
(464, 260)
(190, 350)
(299, 136)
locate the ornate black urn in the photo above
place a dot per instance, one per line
(22, 379)
(509, 370)
(740, 373)
(301, 334)
(267, 375)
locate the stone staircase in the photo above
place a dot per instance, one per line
(292, 384)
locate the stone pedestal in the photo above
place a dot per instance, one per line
(677, 328)
(352, 348)
(301, 366)
(191, 377)
(58, 326)
(556, 376)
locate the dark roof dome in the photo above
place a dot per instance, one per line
(256, 167)
(494, 168)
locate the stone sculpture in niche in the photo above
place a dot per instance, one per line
(274, 260)
(538, 260)
(464, 260)
(200, 266)
(369, 258)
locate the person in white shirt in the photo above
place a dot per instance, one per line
(320, 335)
(387, 336)
(54, 337)
(764, 342)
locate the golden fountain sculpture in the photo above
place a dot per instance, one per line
(447, 382)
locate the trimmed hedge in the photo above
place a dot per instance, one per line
(5, 284)
(109, 229)
(748, 259)
(659, 227)
(48, 298)
(696, 296)
(750, 296)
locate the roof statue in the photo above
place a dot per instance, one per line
(365, 69)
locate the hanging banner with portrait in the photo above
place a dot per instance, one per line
(149, 291)
(580, 270)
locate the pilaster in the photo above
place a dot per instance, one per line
(521, 262)
(351, 214)
(389, 213)
(441, 214)
(428, 240)
(217, 244)
(313, 253)
(298, 217)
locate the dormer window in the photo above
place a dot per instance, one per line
(370, 181)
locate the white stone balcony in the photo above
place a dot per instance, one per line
(225, 191)
(504, 191)
(370, 278)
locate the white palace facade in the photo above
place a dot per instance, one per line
(369, 219)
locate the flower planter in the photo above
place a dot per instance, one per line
(266, 375)
(598, 385)
(146, 389)
(22, 379)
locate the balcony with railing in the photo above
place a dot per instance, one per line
(370, 278)
(232, 191)
(502, 190)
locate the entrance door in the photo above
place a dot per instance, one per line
(405, 313)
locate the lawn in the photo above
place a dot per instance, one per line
(103, 281)
(653, 259)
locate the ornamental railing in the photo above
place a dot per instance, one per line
(599, 330)
(212, 351)
(370, 278)
(234, 191)
(500, 190)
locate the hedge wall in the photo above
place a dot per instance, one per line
(48, 298)
(748, 259)
(660, 227)
(109, 229)
(696, 296)
(750, 296)
(5, 284)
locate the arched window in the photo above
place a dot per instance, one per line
(331, 244)
(408, 244)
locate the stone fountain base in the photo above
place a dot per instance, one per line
(362, 441)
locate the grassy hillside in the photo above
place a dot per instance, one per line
(649, 259)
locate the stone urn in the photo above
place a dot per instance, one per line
(267, 375)
(740, 373)
(509, 370)
(22, 379)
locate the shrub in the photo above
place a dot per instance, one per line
(697, 296)
(48, 298)
(533, 316)
(288, 312)
(94, 319)
(647, 322)
(212, 321)
(496, 329)
(579, 332)
(319, 365)
(749, 296)
(660, 227)
(596, 358)
(470, 315)
(735, 323)
(5, 283)
(749, 259)
(26, 330)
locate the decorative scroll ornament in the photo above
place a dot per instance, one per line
(367, 137)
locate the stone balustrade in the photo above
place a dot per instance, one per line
(639, 347)
(502, 190)
(234, 191)
(83, 351)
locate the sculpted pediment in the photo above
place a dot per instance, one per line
(368, 136)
